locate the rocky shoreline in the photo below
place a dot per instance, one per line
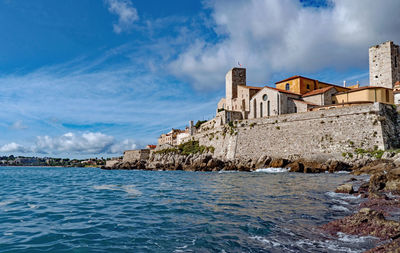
(378, 214)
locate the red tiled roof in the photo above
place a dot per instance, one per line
(283, 91)
(318, 91)
(305, 102)
(291, 78)
(294, 77)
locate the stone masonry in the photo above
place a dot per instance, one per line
(316, 135)
(136, 155)
(235, 77)
(384, 64)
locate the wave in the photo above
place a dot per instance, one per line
(6, 202)
(340, 208)
(354, 238)
(272, 170)
(130, 189)
(342, 195)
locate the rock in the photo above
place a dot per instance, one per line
(278, 163)
(387, 155)
(313, 167)
(366, 222)
(263, 161)
(377, 182)
(345, 188)
(392, 247)
(393, 181)
(296, 167)
(335, 166)
(397, 162)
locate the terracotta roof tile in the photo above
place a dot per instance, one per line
(305, 102)
(319, 91)
(294, 77)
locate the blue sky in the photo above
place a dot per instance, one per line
(84, 78)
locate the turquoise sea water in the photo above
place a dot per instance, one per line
(91, 210)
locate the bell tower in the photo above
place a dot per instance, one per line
(384, 65)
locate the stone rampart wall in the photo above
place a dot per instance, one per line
(136, 155)
(316, 135)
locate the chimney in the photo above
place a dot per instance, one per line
(344, 83)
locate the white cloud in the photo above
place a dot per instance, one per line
(86, 143)
(119, 148)
(272, 36)
(12, 147)
(18, 125)
(126, 13)
(93, 143)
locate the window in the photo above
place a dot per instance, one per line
(261, 110)
(287, 86)
(265, 97)
(308, 86)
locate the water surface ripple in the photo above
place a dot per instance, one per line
(90, 210)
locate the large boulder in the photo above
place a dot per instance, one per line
(263, 161)
(278, 163)
(345, 188)
(296, 166)
(377, 182)
(393, 181)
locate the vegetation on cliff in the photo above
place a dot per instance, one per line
(187, 148)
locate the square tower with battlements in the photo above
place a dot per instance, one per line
(234, 77)
(384, 65)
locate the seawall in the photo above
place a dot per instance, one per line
(316, 135)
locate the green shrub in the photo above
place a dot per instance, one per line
(199, 123)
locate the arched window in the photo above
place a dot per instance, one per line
(261, 110)
(287, 86)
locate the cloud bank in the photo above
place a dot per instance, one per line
(72, 143)
(126, 13)
(270, 36)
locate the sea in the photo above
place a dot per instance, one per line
(46, 209)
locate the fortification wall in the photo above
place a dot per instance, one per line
(136, 155)
(316, 135)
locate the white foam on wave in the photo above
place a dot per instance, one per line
(32, 206)
(227, 171)
(6, 202)
(130, 189)
(342, 195)
(329, 245)
(265, 241)
(340, 208)
(342, 172)
(354, 239)
(272, 170)
(111, 187)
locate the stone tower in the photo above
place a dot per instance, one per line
(384, 65)
(234, 77)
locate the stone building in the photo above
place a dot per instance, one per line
(384, 65)
(396, 92)
(177, 136)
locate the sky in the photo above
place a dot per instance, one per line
(92, 78)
